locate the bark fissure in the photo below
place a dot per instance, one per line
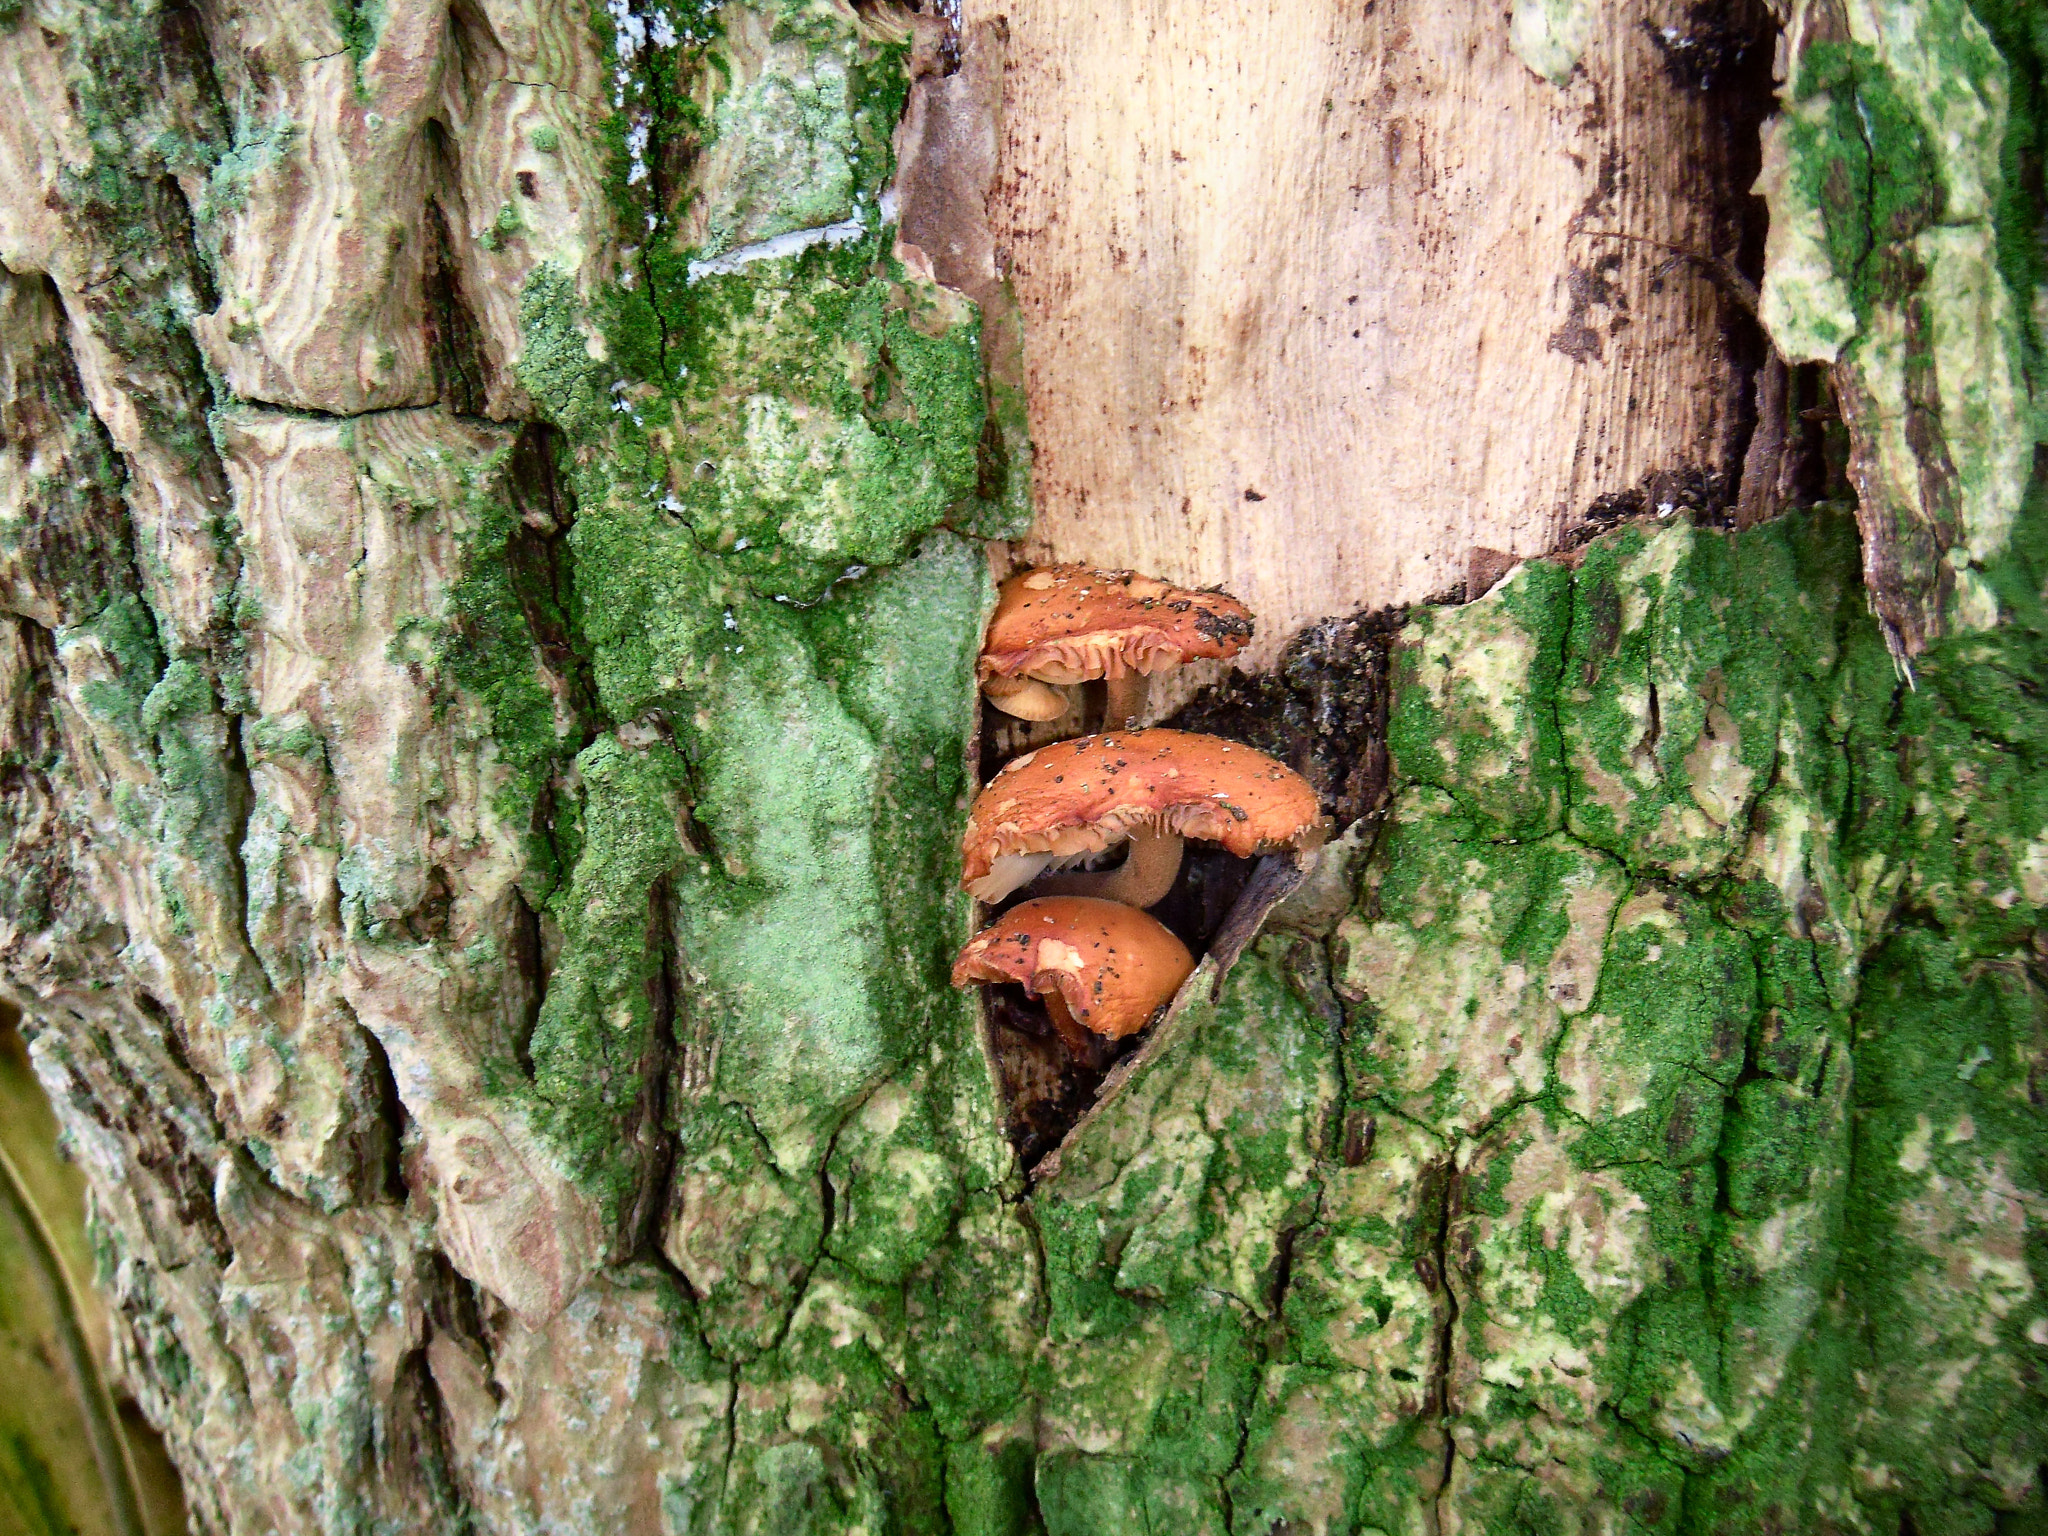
(492, 879)
(1446, 1175)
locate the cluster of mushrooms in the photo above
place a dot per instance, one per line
(1082, 941)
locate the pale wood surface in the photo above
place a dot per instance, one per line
(1267, 251)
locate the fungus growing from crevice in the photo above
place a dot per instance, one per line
(1075, 800)
(1101, 967)
(1060, 625)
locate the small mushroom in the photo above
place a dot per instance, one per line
(1099, 965)
(1026, 698)
(1059, 625)
(1074, 799)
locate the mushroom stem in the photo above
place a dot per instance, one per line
(1026, 698)
(1144, 877)
(1071, 1033)
(1126, 701)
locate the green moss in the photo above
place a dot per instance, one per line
(1898, 182)
(1693, 1216)
(794, 168)
(1685, 915)
(1666, 1033)
(289, 735)
(1671, 701)
(180, 693)
(2017, 32)
(1474, 707)
(555, 364)
(988, 1489)
(359, 22)
(876, 1459)
(125, 631)
(598, 1014)
(773, 617)
(511, 605)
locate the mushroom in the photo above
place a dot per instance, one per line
(1074, 799)
(1063, 624)
(1099, 965)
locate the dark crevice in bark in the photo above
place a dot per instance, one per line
(422, 1454)
(1733, 51)
(1717, 49)
(828, 1202)
(1723, 54)
(732, 1430)
(544, 500)
(1434, 1272)
(381, 1145)
(456, 1312)
(657, 1057)
(240, 799)
(171, 193)
(670, 157)
(80, 545)
(476, 54)
(39, 879)
(157, 1140)
(454, 339)
(543, 574)
(1046, 1088)
(1703, 496)
(415, 1455)
(526, 958)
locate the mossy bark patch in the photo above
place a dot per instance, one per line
(486, 895)
(1901, 252)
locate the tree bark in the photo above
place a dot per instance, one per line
(496, 518)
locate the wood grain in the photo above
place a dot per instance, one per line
(1264, 254)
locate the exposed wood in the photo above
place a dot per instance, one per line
(1317, 298)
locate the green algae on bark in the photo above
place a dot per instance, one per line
(1690, 1187)
(760, 460)
(1652, 1144)
(1592, 1204)
(1902, 252)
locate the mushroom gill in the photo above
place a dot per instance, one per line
(1075, 799)
(1060, 625)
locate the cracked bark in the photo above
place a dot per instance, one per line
(484, 721)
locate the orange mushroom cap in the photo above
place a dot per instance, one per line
(1081, 796)
(1112, 964)
(1069, 623)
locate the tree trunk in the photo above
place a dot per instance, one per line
(496, 519)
